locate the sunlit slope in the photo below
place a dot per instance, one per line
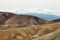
(8, 32)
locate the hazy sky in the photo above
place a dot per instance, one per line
(31, 5)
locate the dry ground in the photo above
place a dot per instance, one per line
(33, 32)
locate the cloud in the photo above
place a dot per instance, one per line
(39, 11)
(38, 6)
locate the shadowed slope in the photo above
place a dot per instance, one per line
(4, 16)
(7, 15)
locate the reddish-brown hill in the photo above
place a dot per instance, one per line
(26, 19)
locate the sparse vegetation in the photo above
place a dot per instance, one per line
(26, 33)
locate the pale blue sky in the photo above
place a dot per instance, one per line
(31, 5)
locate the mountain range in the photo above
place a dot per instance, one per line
(44, 16)
(47, 16)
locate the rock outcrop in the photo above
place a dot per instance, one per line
(5, 16)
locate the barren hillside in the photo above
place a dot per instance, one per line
(29, 33)
(11, 18)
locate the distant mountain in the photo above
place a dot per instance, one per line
(56, 20)
(48, 16)
(44, 16)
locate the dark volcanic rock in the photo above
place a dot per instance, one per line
(4, 16)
